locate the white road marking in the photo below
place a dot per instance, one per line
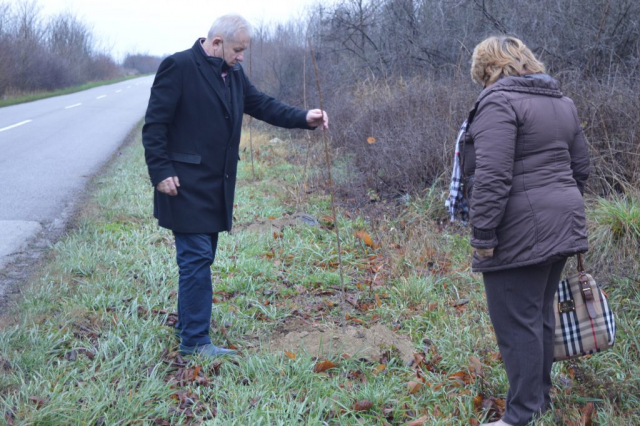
(73, 106)
(100, 97)
(15, 125)
(118, 91)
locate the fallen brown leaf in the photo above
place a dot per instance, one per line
(477, 403)
(38, 401)
(476, 366)
(379, 369)
(363, 405)
(418, 422)
(492, 406)
(290, 355)
(9, 417)
(323, 366)
(461, 377)
(196, 371)
(326, 219)
(414, 387)
(366, 239)
(354, 319)
(588, 413)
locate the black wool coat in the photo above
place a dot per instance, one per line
(192, 131)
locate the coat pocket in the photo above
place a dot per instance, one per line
(185, 158)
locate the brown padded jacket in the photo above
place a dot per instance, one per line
(529, 160)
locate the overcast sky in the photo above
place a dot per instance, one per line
(165, 26)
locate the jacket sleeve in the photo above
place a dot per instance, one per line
(579, 152)
(165, 95)
(494, 131)
(266, 108)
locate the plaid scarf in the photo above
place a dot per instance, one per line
(457, 204)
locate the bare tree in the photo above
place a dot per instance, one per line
(40, 55)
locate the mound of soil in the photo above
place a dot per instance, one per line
(326, 340)
(276, 225)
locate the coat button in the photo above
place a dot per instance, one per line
(226, 116)
(226, 176)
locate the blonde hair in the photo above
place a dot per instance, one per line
(502, 56)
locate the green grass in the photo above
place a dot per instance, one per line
(88, 344)
(43, 95)
(615, 234)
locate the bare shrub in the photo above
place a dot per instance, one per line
(38, 54)
(399, 132)
(609, 113)
(141, 63)
(102, 67)
(397, 70)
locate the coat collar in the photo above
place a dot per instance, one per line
(214, 78)
(539, 84)
(218, 64)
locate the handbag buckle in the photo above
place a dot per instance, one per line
(587, 293)
(566, 306)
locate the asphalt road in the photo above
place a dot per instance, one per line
(49, 149)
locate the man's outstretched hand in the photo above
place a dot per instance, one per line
(169, 186)
(316, 117)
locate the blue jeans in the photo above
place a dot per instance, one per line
(195, 254)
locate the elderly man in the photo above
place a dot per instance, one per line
(191, 138)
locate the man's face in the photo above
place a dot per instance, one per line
(231, 51)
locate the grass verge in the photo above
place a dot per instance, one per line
(89, 341)
(43, 95)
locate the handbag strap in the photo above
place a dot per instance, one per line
(585, 288)
(580, 263)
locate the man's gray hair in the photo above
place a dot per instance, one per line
(229, 27)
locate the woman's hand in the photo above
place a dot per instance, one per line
(482, 253)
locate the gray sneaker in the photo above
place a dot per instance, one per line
(209, 350)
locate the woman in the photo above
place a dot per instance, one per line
(528, 161)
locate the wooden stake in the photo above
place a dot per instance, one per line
(305, 175)
(332, 198)
(253, 169)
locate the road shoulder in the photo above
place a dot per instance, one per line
(24, 245)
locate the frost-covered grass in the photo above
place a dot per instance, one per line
(90, 346)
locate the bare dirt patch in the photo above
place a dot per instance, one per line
(326, 340)
(276, 225)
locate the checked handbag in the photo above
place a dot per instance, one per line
(584, 321)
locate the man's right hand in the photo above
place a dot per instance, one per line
(169, 186)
